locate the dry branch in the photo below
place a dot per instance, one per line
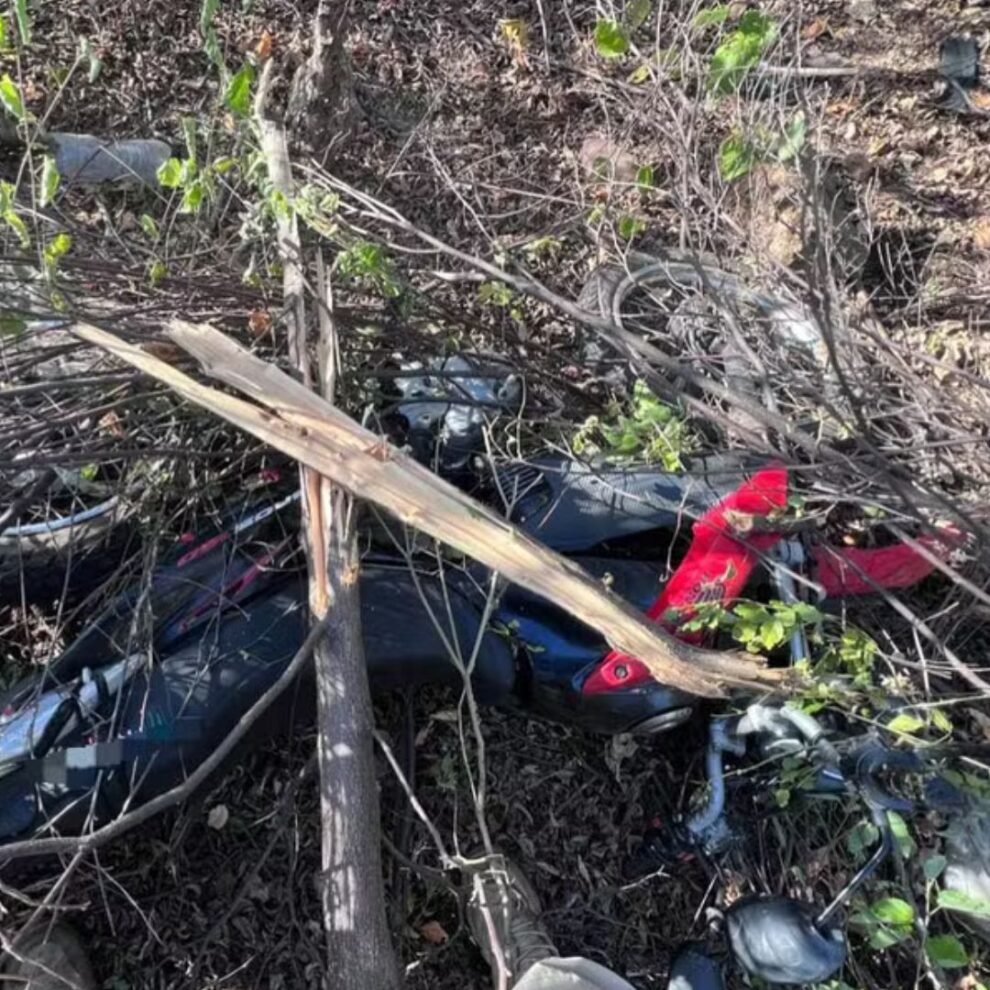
(646, 358)
(312, 431)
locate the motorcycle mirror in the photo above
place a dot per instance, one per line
(780, 940)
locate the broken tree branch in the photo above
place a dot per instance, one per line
(315, 433)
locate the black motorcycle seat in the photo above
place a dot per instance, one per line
(572, 506)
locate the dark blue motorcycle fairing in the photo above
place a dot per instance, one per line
(561, 652)
(560, 645)
(228, 611)
(172, 714)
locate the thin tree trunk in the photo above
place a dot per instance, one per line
(352, 892)
(360, 950)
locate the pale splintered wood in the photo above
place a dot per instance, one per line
(313, 432)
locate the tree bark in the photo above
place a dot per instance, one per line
(322, 107)
(352, 891)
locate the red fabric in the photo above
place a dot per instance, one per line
(715, 569)
(852, 571)
(718, 565)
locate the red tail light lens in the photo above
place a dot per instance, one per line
(616, 673)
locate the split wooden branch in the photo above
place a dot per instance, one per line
(309, 429)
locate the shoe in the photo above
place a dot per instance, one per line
(503, 913)
(48, 957)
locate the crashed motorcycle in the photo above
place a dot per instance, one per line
(122, 716)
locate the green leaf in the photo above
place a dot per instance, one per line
(941, 721)
(595, 215)
(4, 40)
(10, 97)
(713, 15)
(23, 21)
(88, 472)
(772, 633)
(188, 171)
(645, 178)
(192, 198)
(736, 157)
(495, 293)
(547, 246)
(56, 248)
(149, 226)
(862, 837)
(279, 204)
(794, 137)
(640, 74)
(905, 724)
(752, 611)
(238, 94)
(12, 325)
(741, 51)
(893, 911)
(170, 173)
(956, 900)
(49, 181)
(13, 220)
(610, 39)
(947, 951)
(630, 226)
(884, 938)
(156, 272)
(222, 165)
(934, 866)
(366, 261)
(902, 835)
(636, 13)
(745, 632)
(758, 26)
(808, 615)
(628, 442)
